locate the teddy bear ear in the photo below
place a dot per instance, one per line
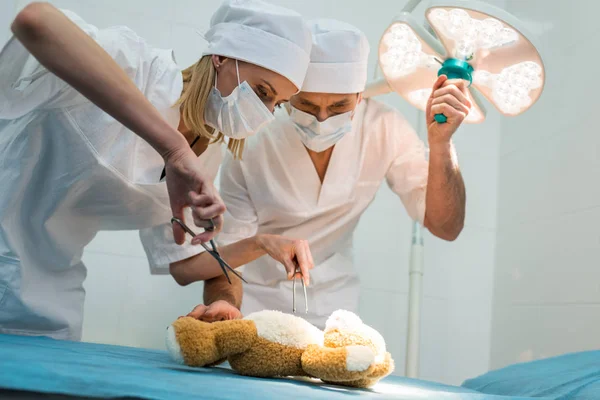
(342, 320)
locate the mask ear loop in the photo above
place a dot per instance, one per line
(237, 70)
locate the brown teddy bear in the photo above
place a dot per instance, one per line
(275, 344)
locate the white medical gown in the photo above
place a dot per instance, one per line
(69, 170)
(276, 190)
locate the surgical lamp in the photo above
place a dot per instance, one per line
(479, 43)
(484, 45)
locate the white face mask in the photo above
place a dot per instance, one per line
(319, 136)
(239, 115)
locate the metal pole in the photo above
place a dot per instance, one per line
(415, 288)
(415, 276)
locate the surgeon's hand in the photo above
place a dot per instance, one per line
(291, 253)
(220, 310)
(451, 98)
(188, 187)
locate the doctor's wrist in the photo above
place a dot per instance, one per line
(259, 242)
(441, 146)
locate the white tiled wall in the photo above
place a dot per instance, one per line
(126, 305)
(546, 287)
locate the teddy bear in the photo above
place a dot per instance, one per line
(275, 344)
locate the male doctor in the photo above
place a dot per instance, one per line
(314, 171)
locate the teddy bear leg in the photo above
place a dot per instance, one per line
(268, 359)
(200, 344)
(382, 369)
(338, 365)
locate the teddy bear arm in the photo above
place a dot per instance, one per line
(192, 342)
(201, 344)
(341, 364)
(234, 336)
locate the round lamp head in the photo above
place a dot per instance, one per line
(477, 42)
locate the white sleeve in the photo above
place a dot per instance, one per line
(408, 172)
(161, 249)
(26, 85)
(241, 220)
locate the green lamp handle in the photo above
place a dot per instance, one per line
(454, 69)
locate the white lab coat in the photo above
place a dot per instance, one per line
(275, 189)
(69, 170)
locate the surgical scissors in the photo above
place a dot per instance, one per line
(294, 290)
(214, 252)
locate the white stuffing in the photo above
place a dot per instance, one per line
(286, 329)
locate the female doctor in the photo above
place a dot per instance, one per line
(91, 119)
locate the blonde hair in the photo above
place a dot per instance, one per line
(198, 81)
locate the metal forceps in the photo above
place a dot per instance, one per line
(294, 291)
(214, 252)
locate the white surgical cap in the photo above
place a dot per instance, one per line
(338, 60)
(260, 33)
